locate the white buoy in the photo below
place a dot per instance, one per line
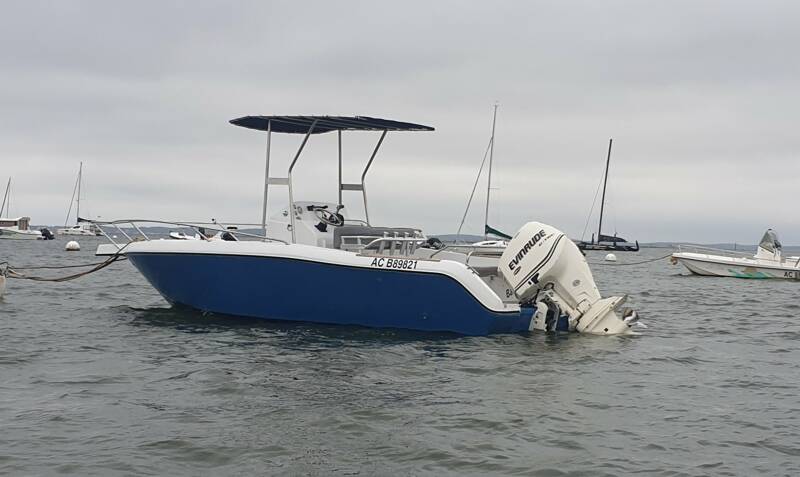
(2, 284)
(72, 246)
(611, 257)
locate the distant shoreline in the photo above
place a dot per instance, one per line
(469, 238)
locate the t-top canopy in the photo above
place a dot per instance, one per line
(301, 124)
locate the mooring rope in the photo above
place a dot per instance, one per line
(611, 264)
(10, 271)
(60, 267)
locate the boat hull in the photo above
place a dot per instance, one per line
(82, 233)
(292, 289)
(737, 268)
(6, 234)
(610, 247)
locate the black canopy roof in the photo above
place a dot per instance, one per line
(301, 124)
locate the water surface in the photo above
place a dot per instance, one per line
(100, 376)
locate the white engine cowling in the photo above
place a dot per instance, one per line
(543, 266)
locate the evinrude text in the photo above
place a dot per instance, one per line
(525, 249)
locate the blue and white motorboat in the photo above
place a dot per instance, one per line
(312, 262)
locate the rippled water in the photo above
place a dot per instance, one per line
(100, 377)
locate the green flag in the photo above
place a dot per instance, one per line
(495, 232)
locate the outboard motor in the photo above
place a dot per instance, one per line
(46, 233)
(544, 267)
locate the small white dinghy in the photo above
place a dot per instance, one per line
(183, 236)
(768, 261)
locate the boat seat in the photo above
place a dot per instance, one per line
(368, 231)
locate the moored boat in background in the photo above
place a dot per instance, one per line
(81, 227)
(607, 242)
(768, 261)
(18, 228)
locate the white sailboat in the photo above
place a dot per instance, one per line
(492, 238)
(80, 228)
(15, 228)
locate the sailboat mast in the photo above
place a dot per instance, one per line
(489, 182)
(5, 196)
(603, 200)
(78, 206)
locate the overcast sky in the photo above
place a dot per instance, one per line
(701, 98)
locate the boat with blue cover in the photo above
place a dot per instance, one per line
(313, 262)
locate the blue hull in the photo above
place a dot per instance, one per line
(298, 290)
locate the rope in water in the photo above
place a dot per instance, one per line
(7, 270)
(632, 263)
(11, 272)
(60, 267)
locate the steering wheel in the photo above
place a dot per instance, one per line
(327, 217)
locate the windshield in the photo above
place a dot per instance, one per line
(770, 241)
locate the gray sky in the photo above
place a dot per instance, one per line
(701, 98)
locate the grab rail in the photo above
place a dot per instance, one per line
(196, 226)
(473, 249)
(408, 245)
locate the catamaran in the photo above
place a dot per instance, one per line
(17, 228)
(81, 227)
(768, 261)
(607, 242)
(313, 262)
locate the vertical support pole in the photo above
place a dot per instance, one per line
(364, 194)
(603, 200)
(80, 179)
(340, 167)
(364, 174)
(266, 181)
(489, 182)
(291, 195)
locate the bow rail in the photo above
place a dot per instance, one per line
(200, 228)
